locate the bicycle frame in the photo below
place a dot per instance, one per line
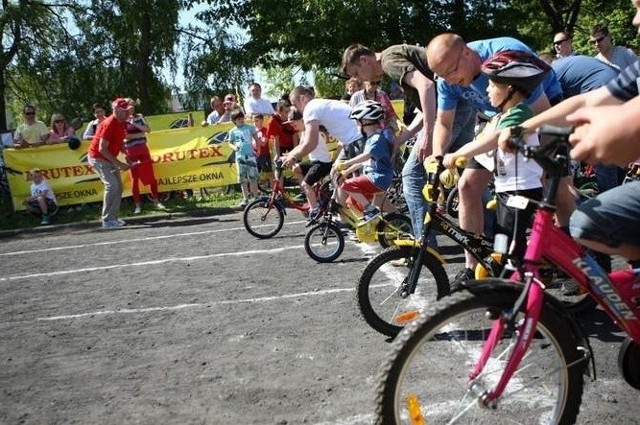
(550, 243)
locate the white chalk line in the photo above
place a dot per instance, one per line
(147, 263)
(150, 238)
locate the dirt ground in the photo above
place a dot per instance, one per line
(193, 321)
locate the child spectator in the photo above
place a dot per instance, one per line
(139, 158)
(92, 127)
(42, 201)
(262, 148)
(283, 134)
(378, 171)
(513, 76)
(241, 139)
(60, 130)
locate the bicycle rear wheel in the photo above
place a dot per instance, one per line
(324, 242)
(262, 219)
(453, 200)
(380, 285)
(392, 227)
(431, 360)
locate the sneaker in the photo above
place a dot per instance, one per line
(243, 204)
(45, 220)
(369, 215)
(570, 288)
(112, 224)
(314, 214)
(160, 206)
(137, 210)
(462, 276)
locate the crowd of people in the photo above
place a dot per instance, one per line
(451, 82)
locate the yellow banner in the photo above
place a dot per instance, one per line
(183, 158)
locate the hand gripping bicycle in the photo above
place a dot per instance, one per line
(506, 352)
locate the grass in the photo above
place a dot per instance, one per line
(11, 220)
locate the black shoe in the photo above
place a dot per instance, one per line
(570, 288)
(462, 276)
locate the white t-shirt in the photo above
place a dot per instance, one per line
(259, 106)
(42, 187)
(334, 116)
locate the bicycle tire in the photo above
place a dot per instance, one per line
(324, 242)
(392, 227)
(453, 202)
(262, 219)
(422, 342)
(374, 286)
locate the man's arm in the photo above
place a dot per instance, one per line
(442, 131)
(427, 93)
(103, 148)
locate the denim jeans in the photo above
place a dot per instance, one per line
(110, 176)
(414, 175)
(608, 177)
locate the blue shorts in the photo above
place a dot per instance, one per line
(611, 218)
(247, 168)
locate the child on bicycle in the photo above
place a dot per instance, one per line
(241, 139)
(513, 75)
(376, 157)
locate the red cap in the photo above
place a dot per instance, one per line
(121, 103)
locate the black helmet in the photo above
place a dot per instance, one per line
(521, 70)
(368, 110)
(73, 142)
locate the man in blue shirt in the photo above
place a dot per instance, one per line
(458, 66)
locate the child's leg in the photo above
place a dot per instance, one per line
(42, 201)
(135, 190)
(253, 188)
(245, 190)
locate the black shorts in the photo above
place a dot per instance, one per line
(264, 164)
(51, 206)
(315, 171)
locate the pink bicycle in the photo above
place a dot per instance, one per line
(503, 352)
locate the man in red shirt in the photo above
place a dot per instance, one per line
(103, 157)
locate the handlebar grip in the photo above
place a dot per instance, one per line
(555, 131)
(461, 162)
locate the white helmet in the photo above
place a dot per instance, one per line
(368, 110)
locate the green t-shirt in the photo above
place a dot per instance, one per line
(515, 116)
(401, 59)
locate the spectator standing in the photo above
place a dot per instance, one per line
(284, 136)
(139, 159)
(103, 157)
(255, 104)
(42, 201)
(372, 91)
(241, 139)
(563, 44)
(616, 56)
(217, 111)
(352, 85)
(60, 130)
(92, 127)
(262, 148)
(32, 132)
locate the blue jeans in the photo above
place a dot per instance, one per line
(611, 218)
(608, 177)
(414, 175)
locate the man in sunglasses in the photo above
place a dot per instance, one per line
(563, 45)
(616, 56)
(32, 132)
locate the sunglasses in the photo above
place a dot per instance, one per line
(559, 42)
(57, 121)
(598, 40)
(29, 113)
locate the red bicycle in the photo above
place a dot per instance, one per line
(504, 351)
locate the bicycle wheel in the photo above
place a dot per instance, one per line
(392, 227)
(452, 203)
(379, 287)
(431, 360)
(262, 219)
(324, 242)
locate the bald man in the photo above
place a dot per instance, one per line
(458, 66)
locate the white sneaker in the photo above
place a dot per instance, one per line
(112, 224)
(137, 210)
(160, 206)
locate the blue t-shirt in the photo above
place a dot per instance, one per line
(242, 137)
(580, 74)
(627, 85)
(379, 168)
(448, 94)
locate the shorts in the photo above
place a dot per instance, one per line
(506, 218)
(35, 205)
(247, 168)
(611, 218)
(361, 184)
(314, 171)
(264, 164)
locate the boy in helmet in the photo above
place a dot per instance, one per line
(513, 76)
(376, 158)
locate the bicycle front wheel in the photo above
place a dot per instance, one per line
(324, 242)
(392, 227)
(379, 293)
(428, 371)
(262, 219)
